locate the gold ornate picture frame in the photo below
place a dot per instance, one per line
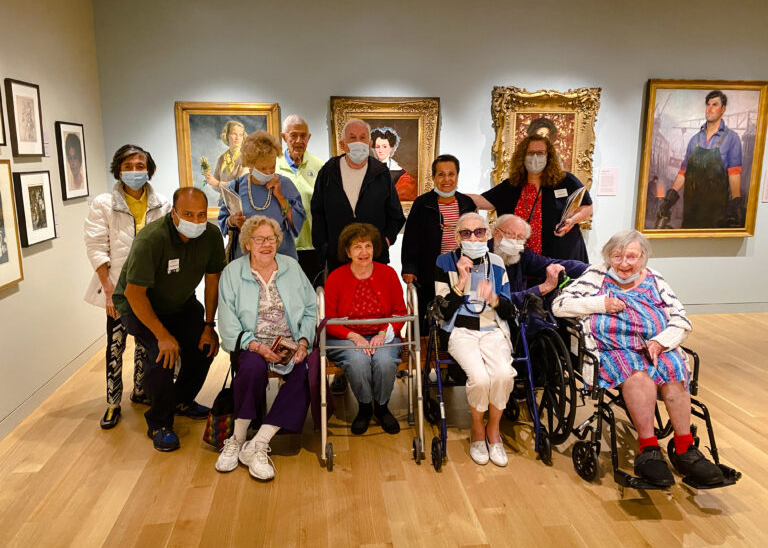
(199, 143)
(411, 123)
(679, 154)
(569, 116)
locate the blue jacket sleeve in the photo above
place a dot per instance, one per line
(291, 193)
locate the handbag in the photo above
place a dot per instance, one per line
(221, 419)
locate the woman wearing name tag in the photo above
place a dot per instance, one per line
(537, 190)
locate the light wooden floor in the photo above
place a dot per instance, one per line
(65, 482)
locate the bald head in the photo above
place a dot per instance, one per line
(190, 193)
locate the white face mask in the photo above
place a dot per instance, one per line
(474, 250)
(510, 249)
(535, 164)
(189, 229)
(263, 178)
(358, 152)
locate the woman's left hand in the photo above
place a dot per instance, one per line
(377, 340)
(301, 352)
(274, 186)
(485, 292)
(654, 349)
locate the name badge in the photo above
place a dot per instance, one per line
(310, 173)
(173, 266)
(561, 193)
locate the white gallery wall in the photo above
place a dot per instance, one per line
(46, 330)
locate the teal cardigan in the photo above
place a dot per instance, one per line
(239, 301)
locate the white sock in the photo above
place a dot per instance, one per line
(241, 429)
(265, 434)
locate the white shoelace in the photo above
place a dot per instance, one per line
(231, 448)
(263, 457)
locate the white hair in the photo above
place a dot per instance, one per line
(293, 120)
(621, 240)
(508, 217)
(355, 121)
(471, 215)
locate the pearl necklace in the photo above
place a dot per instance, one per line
(250, 198)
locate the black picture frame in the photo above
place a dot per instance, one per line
(27, 140)
(34, 207)
(2, 122)
(70, 137)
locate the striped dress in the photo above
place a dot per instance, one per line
(621, 338)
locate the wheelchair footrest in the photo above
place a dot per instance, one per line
(627, 480)
(731, 477)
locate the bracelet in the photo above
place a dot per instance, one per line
(284, 210)
(457, 291)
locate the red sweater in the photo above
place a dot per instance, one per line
(340, 288)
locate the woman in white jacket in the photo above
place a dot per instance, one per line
(113, 221)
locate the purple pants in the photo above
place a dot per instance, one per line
(289, 409)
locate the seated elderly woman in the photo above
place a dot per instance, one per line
(364, 289)
(264, 296)
(635, 324)
(475, 286)
(264, 192)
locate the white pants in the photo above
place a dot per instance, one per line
(486, 358)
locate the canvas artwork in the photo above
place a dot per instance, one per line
(24, 117)
(70, 141)
(209, 136)
(10, 246)
(34, 205)
(702, 158)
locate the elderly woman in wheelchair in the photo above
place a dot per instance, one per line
(634, 324)
(474, 283)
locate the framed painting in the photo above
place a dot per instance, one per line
(2, 122)
(10, 246)
(70, 142)
(404, 135)
(702, 158)
(25, 119)
(34, 207)
(567, 118)
(208, 139)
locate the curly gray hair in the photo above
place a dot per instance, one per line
(250, 226)
(621, 240)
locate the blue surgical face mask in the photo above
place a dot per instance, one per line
(189, 229)
(263, 178)
(445, 194)
(134, 179)
(474, 250)
(358, 152)
(613, 274)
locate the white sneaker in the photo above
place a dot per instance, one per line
(497, 454)
(261, 465)
(478, 451)
(246, 452)
(227, 460)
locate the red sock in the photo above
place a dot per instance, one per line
(648, 442)
(682, 443)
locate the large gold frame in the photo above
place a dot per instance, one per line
(757, 159)
(182, 111)
(8, 274)
(507, 101)
(424, 109)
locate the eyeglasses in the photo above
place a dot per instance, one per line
(631, 259)
(259, 240)
(478, 232)
(510, 235)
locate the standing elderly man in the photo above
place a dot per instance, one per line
(155, 296)
(302, 168)
(354, 187)
(510, 234)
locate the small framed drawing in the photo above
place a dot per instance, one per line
(10, 247)
(25, 120)
(70, 142)
(404, 135)
(208, 139)
(34, 205)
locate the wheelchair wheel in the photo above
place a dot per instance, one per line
(584, 459)
(556, 385)
(417, 450)
(545, 449)
(437, 453)
(512, 410)
(432, 411)
(329, 456)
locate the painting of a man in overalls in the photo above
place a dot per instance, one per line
(700, 168)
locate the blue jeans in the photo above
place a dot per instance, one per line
(370, 377)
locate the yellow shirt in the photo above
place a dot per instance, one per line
(138, 209)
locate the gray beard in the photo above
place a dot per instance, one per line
(509, 259)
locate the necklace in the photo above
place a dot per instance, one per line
(250, 198)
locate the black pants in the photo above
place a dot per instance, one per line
(309, 260)
(186, 325)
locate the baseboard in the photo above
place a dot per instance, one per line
(25, 408)
(726, 308)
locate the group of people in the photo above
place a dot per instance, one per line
(303, 220)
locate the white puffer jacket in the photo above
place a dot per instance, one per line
(109, 232)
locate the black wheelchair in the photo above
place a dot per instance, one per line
(546, 382)
(586, 450)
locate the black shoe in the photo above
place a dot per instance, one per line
(386, 419)
(339, 384)
(363, 418)
(110, 418)
(193, 410)
(164, 439)
(142, 398)
(694, 464)
(651, 466)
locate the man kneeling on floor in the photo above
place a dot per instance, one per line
(156, 300)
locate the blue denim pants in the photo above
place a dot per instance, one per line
(370, 377)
